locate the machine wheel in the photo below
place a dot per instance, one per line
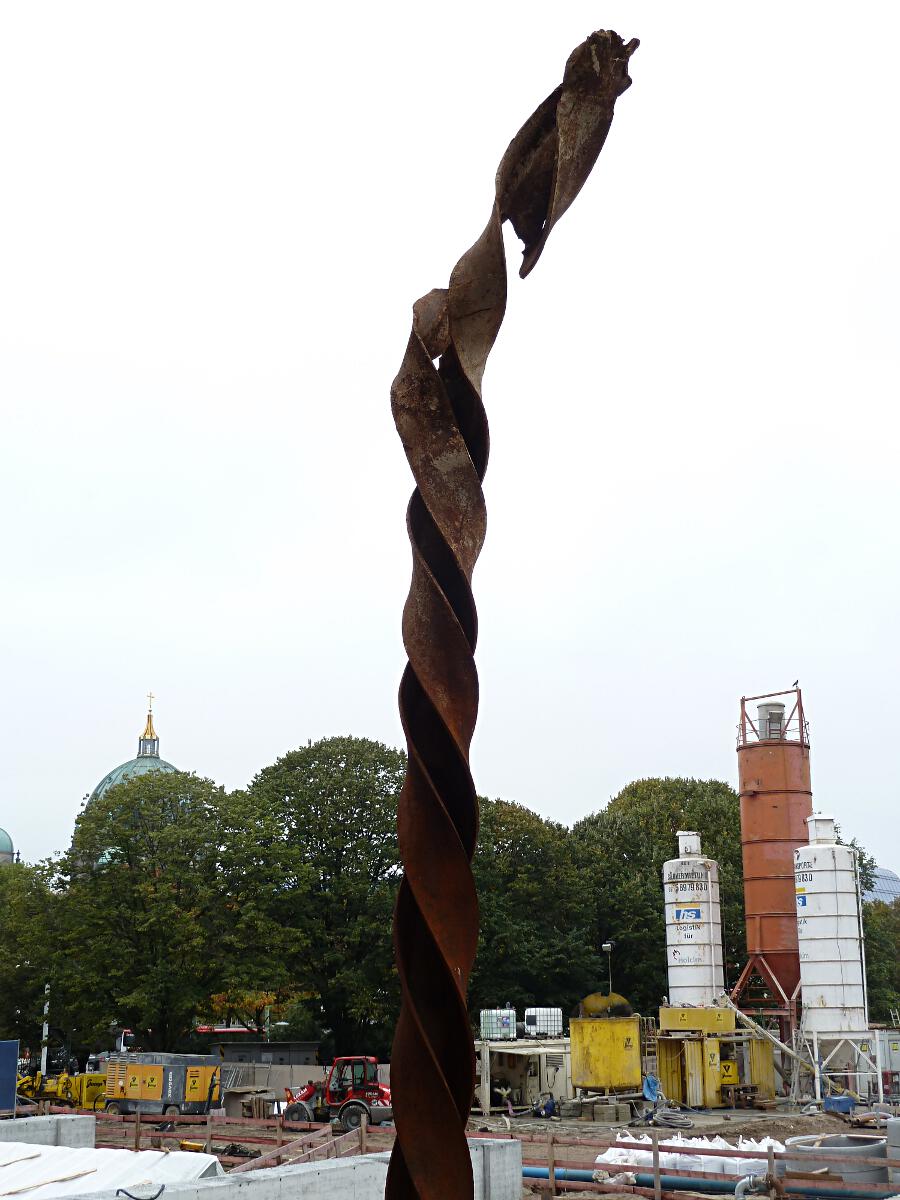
(113, 1106)
(351, 1116)
(171, 1110)
(298, 1111)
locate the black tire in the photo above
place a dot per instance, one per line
(171, 1110)
(298, 1111)
(351, 1116)
(113, 1106)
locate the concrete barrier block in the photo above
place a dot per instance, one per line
(80, 1129)
(500, 1174)
(75, 1129)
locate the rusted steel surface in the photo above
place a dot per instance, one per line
(438, 410)
(776, 799)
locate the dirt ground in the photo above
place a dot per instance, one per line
(730, 1125)
(779, 1125)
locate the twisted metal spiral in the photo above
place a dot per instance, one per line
(438, 411)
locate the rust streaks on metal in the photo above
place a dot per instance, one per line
(438, 411)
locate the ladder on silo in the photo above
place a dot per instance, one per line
(895, 1018)
(649, 1037)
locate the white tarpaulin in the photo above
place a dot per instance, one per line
(34, 1172)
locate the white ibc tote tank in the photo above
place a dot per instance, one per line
(829, 933)
(693, 925)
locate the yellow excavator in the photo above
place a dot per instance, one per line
(84, 1090)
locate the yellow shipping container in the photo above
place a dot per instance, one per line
(606, 1053)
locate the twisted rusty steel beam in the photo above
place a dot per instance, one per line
(438, 411)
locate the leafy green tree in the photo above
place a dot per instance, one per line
(622, 850)
(28, 911)
(261, 934)
(336, 803)
(536, 945)
(881, 926)
(163, 893)
(865, 861)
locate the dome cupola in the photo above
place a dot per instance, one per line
(147, 759)
(148, 742)
(7, 850)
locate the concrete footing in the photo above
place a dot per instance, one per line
(75, 1129)
(496, 1167)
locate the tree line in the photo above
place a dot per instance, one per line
(179, 904)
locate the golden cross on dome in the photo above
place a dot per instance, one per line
(150, 699)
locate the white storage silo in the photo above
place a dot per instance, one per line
(829, 933)
(693, 925)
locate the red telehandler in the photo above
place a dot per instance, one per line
(350, 1090)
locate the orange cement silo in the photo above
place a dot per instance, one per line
(776, 799)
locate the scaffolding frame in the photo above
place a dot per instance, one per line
(816, 1043)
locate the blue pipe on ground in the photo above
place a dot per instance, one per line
(717, 1187)
(558, 1173)
(670, 1183)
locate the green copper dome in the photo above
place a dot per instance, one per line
(129, 770)
(6, 846)
(147, 760)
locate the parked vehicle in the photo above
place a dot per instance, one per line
(124, 1040)
(162, 1083)
(350, 1091)
(80, 1090)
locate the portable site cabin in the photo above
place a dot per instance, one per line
(523, 1071)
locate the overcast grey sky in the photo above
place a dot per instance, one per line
(215, 219)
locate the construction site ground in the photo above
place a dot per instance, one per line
(729, 1124)
(575, 1143)
(579, 1141)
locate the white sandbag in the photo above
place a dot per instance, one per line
(755, 1166)
(617, 1155)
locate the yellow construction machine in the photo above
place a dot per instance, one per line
(84, 1090)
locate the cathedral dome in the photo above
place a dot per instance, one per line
(7, 852)
(147, 760)
(129, 770)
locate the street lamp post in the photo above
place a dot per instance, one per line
(608, 948)
(45, 1032)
